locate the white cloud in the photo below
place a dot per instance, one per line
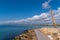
(37, 19)
(42, 18)
(46, 4)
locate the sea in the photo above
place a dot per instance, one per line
(8, 32)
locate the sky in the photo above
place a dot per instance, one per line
(25, 9)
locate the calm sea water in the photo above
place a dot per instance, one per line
(7, 32)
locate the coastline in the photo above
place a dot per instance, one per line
(31, 34)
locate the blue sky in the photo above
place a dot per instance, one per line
(20, 9)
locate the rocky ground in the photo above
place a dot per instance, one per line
(52, 33)
(28, 35)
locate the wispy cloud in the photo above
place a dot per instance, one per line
(46, 4)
